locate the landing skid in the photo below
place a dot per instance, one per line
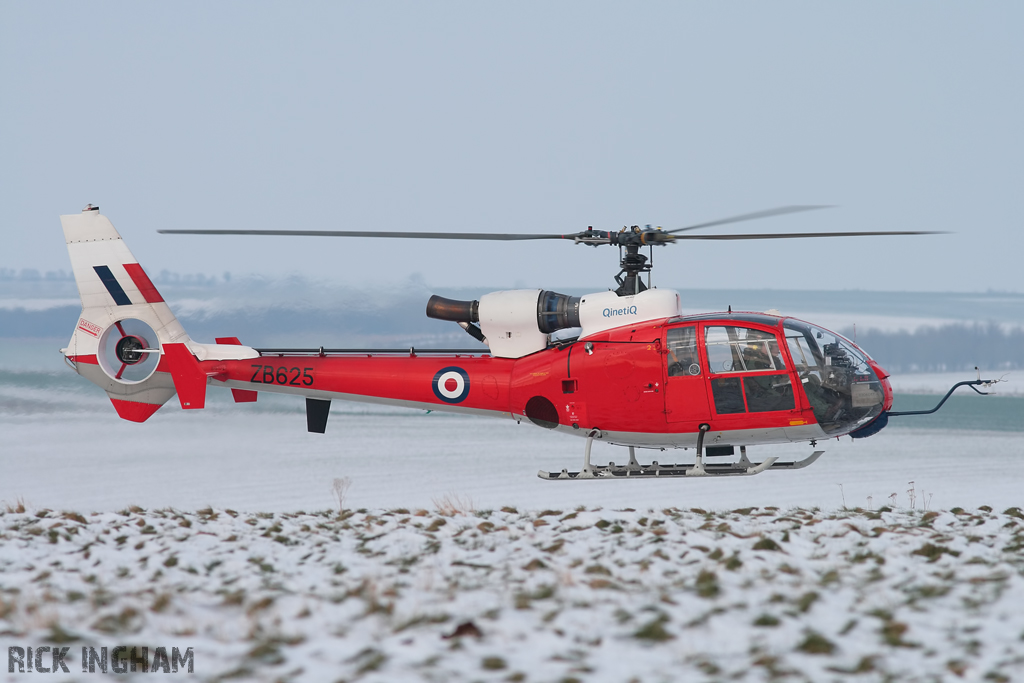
(633, 470)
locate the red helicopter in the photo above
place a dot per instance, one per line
(622, 366)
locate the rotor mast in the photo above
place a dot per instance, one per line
(632, 263)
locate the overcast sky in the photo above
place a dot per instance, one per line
(522, 117)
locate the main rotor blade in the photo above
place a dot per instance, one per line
(767, 213)
(373, 233)
(789, 235)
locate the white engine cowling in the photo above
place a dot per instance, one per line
(509, 321)
(605, 310)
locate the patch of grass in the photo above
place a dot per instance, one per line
(161, 602)
(543, 592)
(260, 605)
(816, 644)
(767, 620)
(554, 547)
(233, 598)
(934, 552)
(58, 635)
(864, 666)
(830, 577)
(957, 667)
(707, 584)
(421, 619)
(267, 653)
(124, 621)
(806, 601)
(767, 544)
(892, 633)
(451, 504)
(368, 659)
(493, 663)
(654, 631)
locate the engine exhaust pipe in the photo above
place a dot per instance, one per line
(441, 308)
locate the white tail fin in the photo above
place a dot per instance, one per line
(127, 339)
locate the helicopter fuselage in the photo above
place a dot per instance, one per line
(752, 378)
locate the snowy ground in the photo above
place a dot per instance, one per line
(454, 594)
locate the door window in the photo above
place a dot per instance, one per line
(732, 350)
(742, 349)
(682, 355)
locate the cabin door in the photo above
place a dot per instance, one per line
(686, 393)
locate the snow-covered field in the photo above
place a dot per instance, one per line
(454, 594)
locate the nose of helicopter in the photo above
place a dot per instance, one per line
(883, 379)
(845, 388)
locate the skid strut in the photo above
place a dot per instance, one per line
(633, 469)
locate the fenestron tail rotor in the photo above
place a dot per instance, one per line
(632, 262)
(129, 351)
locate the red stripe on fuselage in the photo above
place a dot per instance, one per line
(89, 359)
(142, 281)
(401, 378)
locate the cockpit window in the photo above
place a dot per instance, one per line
(742, 349)
(839, 383)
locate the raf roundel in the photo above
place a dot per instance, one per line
(451, 384)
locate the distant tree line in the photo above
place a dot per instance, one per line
(32, 275)
(163, 277)
(949, 348)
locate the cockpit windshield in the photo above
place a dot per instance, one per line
(841, 387)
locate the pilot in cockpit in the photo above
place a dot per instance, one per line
(755, 357)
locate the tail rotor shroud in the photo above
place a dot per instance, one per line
(129, 351)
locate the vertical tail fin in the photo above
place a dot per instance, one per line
(127, 340)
